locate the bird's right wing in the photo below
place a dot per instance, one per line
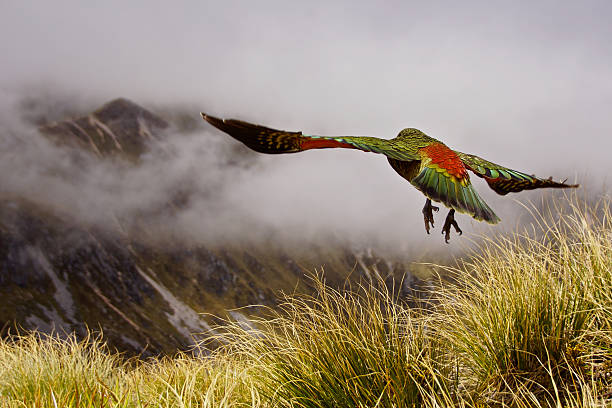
(273, 141)
(503, 180)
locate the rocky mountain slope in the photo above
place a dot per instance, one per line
(148, 296)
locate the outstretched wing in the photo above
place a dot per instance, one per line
(273, 141)
(503, 180)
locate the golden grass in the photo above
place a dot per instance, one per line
(39, 370)
(361, 347)
(529, 317)
(525, 322)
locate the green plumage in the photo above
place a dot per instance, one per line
(462, 198)
(437, 171)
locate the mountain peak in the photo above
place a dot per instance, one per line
(118, 127)
(122, 109)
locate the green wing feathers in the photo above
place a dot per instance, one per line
(273, 141)
(364, 143)
(503, 180)
(462, 197)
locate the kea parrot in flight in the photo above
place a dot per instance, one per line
(436, 170)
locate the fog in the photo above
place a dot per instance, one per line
(524, 84)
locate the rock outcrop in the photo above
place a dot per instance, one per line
(120, 127)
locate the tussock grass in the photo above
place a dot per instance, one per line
(185, 381)
(525, 322)
(47, 371)
(42, 370)
(529, 317)
(356, 348)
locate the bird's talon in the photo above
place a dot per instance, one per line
(450, 221)
(428, 215)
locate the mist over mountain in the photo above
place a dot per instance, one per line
(188, 181)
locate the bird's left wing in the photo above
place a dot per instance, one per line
(273, 141)
(503, 180)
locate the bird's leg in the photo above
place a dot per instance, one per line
(450, 220)
(428, 214)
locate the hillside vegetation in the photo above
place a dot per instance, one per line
(525, 322)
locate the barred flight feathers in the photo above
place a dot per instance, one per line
(259, 138)
(503, 180)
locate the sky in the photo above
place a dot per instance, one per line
(525, 84)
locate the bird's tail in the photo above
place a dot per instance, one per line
(462, 197)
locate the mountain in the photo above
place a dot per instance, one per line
(120, 127)
(148, 295)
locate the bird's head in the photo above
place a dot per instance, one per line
(410, 132)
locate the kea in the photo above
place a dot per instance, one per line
(436, 170)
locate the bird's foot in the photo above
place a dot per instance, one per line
(428, 214)
(450, 220)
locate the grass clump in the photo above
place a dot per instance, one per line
(46, 370)
(529, 317)
(525, 322)
(186, 381)
(356, 348)
(49, 371)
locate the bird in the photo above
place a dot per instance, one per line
(436, 170)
